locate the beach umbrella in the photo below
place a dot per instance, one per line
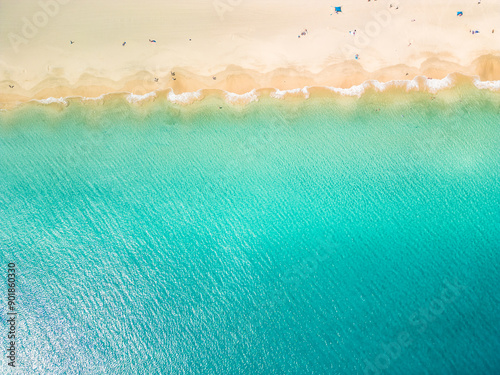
(338, 9)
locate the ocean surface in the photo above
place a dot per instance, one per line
(321, 236)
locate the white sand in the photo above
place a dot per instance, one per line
(257, 40)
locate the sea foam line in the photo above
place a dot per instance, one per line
(429, 84)
(52, 100)
(486, 85)
(246, 98)
(280, 94)
(419, 83)
(133, 98)
(184, 98)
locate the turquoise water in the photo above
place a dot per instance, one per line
(325, 236)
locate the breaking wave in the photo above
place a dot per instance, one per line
(418, 84)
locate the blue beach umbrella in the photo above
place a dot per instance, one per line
(338, 9)
(460, 13)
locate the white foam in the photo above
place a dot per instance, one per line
(184, 98)
(432, 85)
(407, 84)
(246, 98)
(100, 97)
(419, 83)
(52, 100)
(280, 94)
(435, 85)
(356, 90)
(133, 98)
(486, 85)
(412, 85)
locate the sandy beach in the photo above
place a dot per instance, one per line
(64, 48)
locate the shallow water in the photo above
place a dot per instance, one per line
(320, 236)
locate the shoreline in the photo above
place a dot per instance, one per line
(75, 49)
(241, 81)
(419, 83)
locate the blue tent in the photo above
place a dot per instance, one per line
(460, 13)
(338, 9)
